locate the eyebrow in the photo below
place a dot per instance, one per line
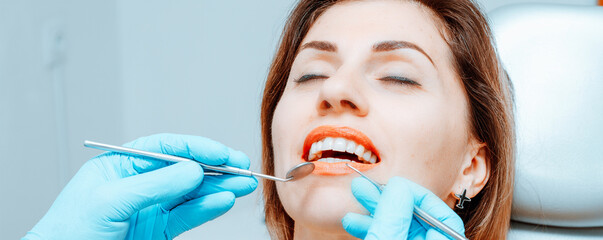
(377, 47)
(393, 45)
(320, 45)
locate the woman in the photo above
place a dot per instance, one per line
(417, 85)
(409, 92)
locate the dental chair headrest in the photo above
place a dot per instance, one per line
(554, 57)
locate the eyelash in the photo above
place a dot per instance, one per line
(400, 80)
(308, 77)
(396, 79)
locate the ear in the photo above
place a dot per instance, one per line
(474, 172)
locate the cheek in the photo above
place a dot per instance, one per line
(287, 134)
(280, 140)
(428, 144)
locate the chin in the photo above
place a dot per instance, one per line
(320, 202)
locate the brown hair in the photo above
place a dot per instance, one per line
(489, 93)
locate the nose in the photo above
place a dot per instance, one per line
(339, 95)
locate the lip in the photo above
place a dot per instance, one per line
(332, 169)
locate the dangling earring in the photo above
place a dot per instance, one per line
(462, 199)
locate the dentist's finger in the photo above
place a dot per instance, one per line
(128, 195)
(197, 148)
(356, 224)
(366, 193)
(434, 206)
(238, 185)
(198, 211)
(394, 212)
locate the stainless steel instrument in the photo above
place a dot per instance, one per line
(299, 171)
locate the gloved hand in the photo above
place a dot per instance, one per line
(392, 212)
(116, 196)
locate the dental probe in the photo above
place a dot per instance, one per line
(297, 172)
(419, 213)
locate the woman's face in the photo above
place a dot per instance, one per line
(375, 74)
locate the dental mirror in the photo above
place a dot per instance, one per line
(299, 171)
(295, 173)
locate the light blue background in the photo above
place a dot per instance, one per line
(112, 71)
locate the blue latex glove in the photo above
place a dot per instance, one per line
(116, 196)
(392, 212)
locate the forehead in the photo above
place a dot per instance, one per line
(353, 25)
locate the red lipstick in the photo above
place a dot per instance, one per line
(341, 134)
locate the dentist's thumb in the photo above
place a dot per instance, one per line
(132, 194)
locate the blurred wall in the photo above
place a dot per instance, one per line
(59, 84)
(113, 71)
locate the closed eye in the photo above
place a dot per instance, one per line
(401, 80)
(308, 77)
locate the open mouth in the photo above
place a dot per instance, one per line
(330, 148)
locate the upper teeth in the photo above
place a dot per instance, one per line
(340, 145)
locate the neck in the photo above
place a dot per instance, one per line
(301, 232)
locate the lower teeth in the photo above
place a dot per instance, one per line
(333, 160)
